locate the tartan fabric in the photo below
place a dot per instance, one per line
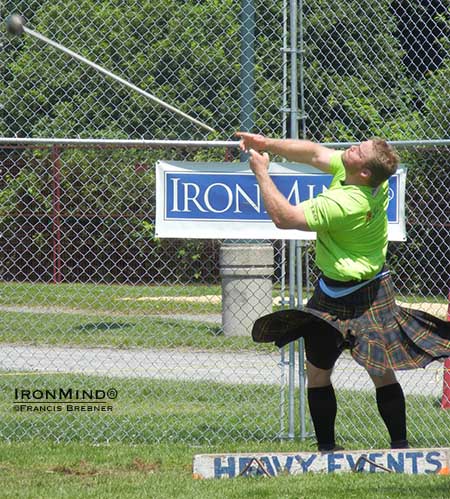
(380, 334)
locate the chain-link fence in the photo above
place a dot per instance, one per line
(90, 298)
(93, 302)
(364, 69)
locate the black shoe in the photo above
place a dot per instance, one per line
(330, 448)
(400, 444)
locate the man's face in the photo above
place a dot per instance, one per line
(357, 156)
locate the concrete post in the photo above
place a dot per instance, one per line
(246, 271)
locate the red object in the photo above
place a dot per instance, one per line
(445, 402)
(56, 216)
(140, 168)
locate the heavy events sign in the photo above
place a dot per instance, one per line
(223, 200)
(410, 461)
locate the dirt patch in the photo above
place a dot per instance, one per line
(187, 299)
(438, 309)
(40, 309)
(212, 299)
(139, 464)
(86, 470)
(82, 470)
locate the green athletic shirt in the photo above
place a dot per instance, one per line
(351, 225)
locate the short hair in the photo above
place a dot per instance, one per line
(383, 163)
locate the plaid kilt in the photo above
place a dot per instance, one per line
(380, 334)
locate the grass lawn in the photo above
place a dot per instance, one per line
(112, 299)
(201, 413)
(118, 332)
(144, 411)
(116, 316)
(41, 470)
(135, 450)
(132, 300)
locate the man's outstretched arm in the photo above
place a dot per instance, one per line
(300, 151)
(282, 213)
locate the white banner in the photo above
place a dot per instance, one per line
(409, 461)
(223, 200)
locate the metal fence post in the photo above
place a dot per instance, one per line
(301, 346)
(291, 346)
(292, 247)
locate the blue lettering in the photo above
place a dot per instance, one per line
(252, 465)
(360, 462)
(373, 457)
(288, 465)
(229, 470)
(396, 465)
(277, 464)
(268, 465)
(306, 463)
(429, 458)
(253, 469)
(332, 461)
(243, 462)
(414, 456)
(350, 460)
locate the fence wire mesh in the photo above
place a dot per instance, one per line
(367, 68)
(91, 300)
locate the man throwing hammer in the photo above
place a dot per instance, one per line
(353, 304)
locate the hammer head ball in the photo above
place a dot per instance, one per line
(14, 24)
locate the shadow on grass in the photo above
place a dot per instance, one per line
(104, 326)
(110, 326)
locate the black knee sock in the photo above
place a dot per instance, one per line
(323, 408)
(391, 405)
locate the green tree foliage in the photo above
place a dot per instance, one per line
(357, 76)
(192, 65)
(436, 102)
(354, 74)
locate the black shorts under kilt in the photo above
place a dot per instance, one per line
(380, 334)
